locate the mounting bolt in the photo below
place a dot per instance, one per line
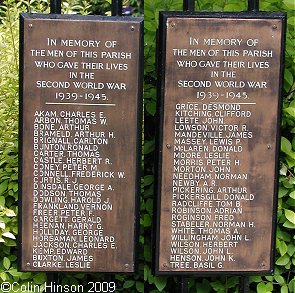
(30, 25)
(28, 264)
(173, 24)
(126, 266)
(132, 28)
(269, 147)
(263, 264)
(168, 146)
(165, 265)
(274, 27)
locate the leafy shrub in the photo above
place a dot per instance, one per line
(8, 142)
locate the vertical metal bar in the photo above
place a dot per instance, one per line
(55, 6)
(189, 5)
(243, 285)
(52, 281)
(253, 5)
(52, 278)
(117, 8)
(183, 285)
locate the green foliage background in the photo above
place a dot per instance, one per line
(283, 280)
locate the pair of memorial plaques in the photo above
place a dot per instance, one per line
(80, 132)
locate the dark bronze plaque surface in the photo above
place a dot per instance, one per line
(80, 109)
(218, 162)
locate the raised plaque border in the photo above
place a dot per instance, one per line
(161, 71)
(138, 135)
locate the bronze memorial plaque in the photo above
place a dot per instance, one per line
(80, 140)
(220, 103)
